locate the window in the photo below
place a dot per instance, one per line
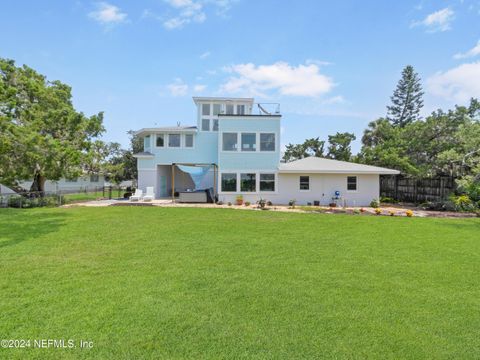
(267, 182)
(160, 140)
(217, 109)
(249, 142)
(189, 140)
(94, 178)
(240, 109)
(247, 182)
(146, 143)
(267, 142)
(215, 125)
(206, 109)
(229, 141)
(229, 182)
(205, 124)
(229, 108)
(304, 182)
(173, 140)
(351, 183)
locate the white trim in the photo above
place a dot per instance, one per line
(155, 141)
(239, 142)
(257, 182)
(300, 183)
(356, 184)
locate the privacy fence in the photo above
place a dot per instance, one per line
(30, 199)
(407, 189)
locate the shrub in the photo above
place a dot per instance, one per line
(409, 213)
(229, 203)
(374, 203)
(239, 199)
(219, 202)
(261, 203)
(356, 211)
(391, 213)
(362, 210)
(269, 203)
(291, 203)
(378, 211)
(463, 203)
(387, 200)
(247, 203)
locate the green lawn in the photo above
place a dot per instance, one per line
(82, 196)
(176, 283)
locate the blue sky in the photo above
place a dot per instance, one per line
(331, 65)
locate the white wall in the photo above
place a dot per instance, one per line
(322, 188)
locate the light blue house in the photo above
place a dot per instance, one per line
(234, 149)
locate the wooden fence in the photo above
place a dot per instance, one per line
(414, 190)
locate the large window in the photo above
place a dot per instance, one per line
(206, 109)
(205, 124)
(249, 142)
(304, 182)
(240, 109)
(160, 141)
(351, 183)
(267, 142)
(229, 141)
(173, 140)
(217, 109)
(247, 182)
(229, 108)
(215, 125)
(267, 182)
(188, 140)
(229, 182)
(146, 143)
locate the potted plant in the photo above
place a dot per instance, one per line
(333, 203)
(239, 199)
(291, 204)
(247, 203)
(378, 211)
(262, 203)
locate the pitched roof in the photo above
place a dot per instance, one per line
(172, 129)
(328, 166)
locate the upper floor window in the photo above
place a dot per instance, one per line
(206, 109)
(351, 183)
(267, 142)
(188, 140)
(304, 182)
(229, 182)
(229, 109)
(205, 124)
(215, 125)
(217, 109)
(160, 141)
(146, 142)
(240, 109)
(249, 142)
(229, 142)
(94, 178)
(173, 140)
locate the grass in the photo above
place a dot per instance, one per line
(176, 283)
(82, 196)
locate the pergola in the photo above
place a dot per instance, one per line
(215, 167)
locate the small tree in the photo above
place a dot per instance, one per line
(340, 146)
(406, 100)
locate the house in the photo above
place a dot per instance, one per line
(234, 149)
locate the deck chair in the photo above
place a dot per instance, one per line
(137, 196)
(149, 195)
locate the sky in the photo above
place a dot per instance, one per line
(332, 65)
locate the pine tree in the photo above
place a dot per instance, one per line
(407, 99)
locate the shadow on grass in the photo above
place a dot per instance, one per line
(19, 225)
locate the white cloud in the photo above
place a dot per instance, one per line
(205, 55)
(470, 53)
(188, 11)
(178, 88)
(199, 88)
(438, 21)
(458, 84)
(301, 80)
(108, 14)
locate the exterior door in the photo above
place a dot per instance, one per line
(163, 186)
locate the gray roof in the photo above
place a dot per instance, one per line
(167, 129)
(143, 154)
(328, 166)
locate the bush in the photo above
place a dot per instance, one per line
(219, 202)
(292, 203)
(229, 203)
(444, 205)
(247, 203)
(387, 200)
(409, 213)
(374, 204)
(269, 203)
(463, 203)
(378, 211)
